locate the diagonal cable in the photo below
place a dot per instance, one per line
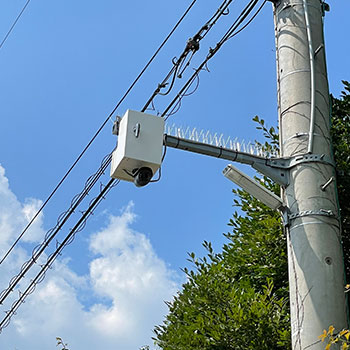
(69, 238)
(51, 234)
(14, 24)
(100, 128)
(39, 250)
(103, 191)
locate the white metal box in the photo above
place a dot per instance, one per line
(140, 144)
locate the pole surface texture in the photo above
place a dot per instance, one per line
(316, 271)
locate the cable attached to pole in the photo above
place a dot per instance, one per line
(312, 77)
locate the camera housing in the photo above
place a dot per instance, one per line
(138, 154)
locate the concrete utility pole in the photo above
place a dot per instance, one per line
(316, 272)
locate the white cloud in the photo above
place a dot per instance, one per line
(130, 274)
(14, 216)
(127, 283)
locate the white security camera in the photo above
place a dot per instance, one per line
(138, 155)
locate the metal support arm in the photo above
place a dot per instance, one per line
(275, 168)
(263, 165)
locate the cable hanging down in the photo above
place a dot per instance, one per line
(99, 129)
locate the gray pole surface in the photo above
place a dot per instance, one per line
(316, 272)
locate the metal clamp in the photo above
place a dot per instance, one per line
(322, 212)
(308, 158)
(287, 163)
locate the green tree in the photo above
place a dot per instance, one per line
(61, 344)
(238, 299)
(341, 144)
(341, 148)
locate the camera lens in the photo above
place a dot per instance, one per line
(143, 176)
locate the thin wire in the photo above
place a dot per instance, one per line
(177, 64)
(153, 57)
(250, 21)
(243, 15)
(312, 78)
(14, 24)
(68, 239)
(229, 33)
(100, 128)
(50, 235)
(95, 202)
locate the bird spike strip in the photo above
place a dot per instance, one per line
(219, 140)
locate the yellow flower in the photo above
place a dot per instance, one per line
(345, 346)
(328, 346)
(344, 332)
(331, 330)
(323, 335)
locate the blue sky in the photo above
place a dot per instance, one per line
(62, 70)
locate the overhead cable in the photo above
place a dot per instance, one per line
(50, 260)
(105, 189)
(52, 233)
(232, 31)
(14, 24)
(243, 15)
(100, 128)
(192, 46)
(250, 20)
(62, 219)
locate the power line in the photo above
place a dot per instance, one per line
(105, 189)
(212, 51)
(77, 199)
(191, 46)
(14, 24)
(51, 234)
(100, 128)
(250, 20)
(93, 179)
(69, 238)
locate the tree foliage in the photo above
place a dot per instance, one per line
(341, 147)
(61, 344)
(238, 298)
(341, 143)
